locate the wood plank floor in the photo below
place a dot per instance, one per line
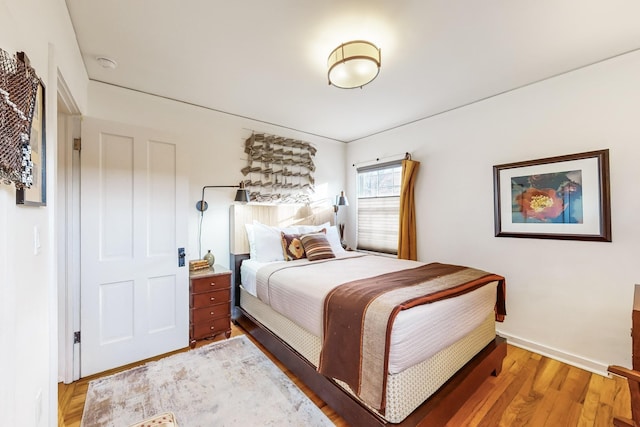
(532, 390)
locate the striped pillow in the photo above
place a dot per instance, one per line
(316, 246)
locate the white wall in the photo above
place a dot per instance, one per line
(28, 327)
(213, 143)
(568, 299)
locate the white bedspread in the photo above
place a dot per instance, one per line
(296, 289)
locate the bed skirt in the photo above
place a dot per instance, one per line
(406, 390)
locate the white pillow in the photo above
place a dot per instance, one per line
(268, 242)
(334, 239)
(305, 229)
(252, 241)
(268, 246)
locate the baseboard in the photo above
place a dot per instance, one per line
(569, 359)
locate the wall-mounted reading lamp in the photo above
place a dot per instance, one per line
(341, 200)
(242, 195)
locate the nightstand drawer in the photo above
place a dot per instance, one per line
(210, 298)
(209, 313)
(208, 329)
(206, 284)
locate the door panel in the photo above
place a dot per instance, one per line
(114, 195)
(162, 169)
(162, 315)
(134, 297)
(115, 312)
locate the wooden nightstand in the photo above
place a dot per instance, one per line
(209, 303)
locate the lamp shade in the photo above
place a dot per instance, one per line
(353, 64)
(342, 200)
(242, 195)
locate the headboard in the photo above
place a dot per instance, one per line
(274, 215)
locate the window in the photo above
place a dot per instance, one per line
(379, 207)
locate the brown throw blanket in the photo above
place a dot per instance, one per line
(358, 317)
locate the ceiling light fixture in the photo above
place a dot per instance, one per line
(107, 62)
(353, 64)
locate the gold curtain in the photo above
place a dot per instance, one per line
(407, 248)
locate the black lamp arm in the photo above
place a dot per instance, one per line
(202, 206)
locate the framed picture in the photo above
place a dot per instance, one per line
(565, 197)
(36, 195)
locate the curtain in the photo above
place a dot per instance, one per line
(407, 230)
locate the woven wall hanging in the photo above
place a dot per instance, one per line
(18, 91)
(279, 170)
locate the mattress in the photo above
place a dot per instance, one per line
(406, 390)
(417, 334)
(248, 271)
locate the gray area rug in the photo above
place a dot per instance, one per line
(227, 383)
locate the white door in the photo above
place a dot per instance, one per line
(134, 296)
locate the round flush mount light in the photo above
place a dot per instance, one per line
(107, 63)
(353, 64)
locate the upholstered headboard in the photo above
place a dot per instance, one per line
(275, 215)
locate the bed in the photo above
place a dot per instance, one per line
(417, 373)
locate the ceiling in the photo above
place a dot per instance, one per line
(266, 60)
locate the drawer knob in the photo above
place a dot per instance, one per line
(212, 313)
(212, 283)
(212, 328)
(212, 298)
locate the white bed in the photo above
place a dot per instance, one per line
(428, 343)
(417, 334)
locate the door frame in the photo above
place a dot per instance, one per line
(67, 229)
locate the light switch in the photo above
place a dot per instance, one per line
(36, 240)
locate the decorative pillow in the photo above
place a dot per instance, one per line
(292, 246)
(332, 235)
(316, 246)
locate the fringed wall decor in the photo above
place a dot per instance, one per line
(279, 170)
(18, 94)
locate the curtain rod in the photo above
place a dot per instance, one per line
(405, 156)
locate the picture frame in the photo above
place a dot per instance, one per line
(36, 195)
(564, 197)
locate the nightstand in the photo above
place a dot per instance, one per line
(209, 303)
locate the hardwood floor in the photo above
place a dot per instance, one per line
(532, 390)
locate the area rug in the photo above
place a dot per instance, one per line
(227, 383)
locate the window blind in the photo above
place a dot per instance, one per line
(378, 222)
(378, 209)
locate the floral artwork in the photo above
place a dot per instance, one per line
(563, 197)
(550, 197)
